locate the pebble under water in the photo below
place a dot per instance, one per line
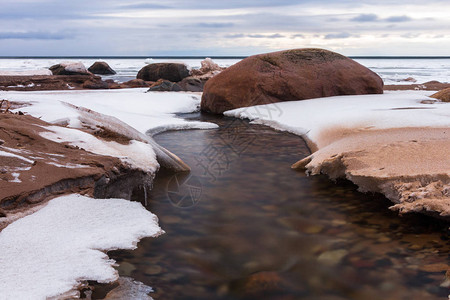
(243, 225)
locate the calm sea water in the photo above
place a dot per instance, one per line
(392, 70)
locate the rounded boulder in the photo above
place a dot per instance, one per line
(174, 72)
(287, 75)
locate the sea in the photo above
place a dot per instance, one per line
(393, 70)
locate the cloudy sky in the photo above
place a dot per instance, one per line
(222, 27)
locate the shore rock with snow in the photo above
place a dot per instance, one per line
(288, 75)
(69, 68)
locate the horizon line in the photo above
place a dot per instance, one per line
(212, 57)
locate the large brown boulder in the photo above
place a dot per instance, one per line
(169, 71)
(443, 95)
(101, 68)
(287, 75)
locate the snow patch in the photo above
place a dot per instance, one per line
(137, 154)
(53, 250)
(8, 154)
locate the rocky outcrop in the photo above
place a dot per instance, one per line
(164, 86)
(208, 67)
(443, 95)
(191, 84)
(101, 68)
(69, 68)
(426, 86)
(95, 84)
(50, 82)
(169, 71)
(34, 168)
(136, 83)
(287, 75)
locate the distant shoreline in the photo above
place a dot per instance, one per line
(204, 56)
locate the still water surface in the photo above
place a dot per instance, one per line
(243, 225)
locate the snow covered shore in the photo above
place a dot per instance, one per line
(396, 143)
(78, 141)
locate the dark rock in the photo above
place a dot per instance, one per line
(287, 75)
(169, 71)
(95, 83)
(191, 84)
(101, 68)
(137, 83)
(69, 68)
(164, 86)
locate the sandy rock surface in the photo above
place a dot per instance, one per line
(410, 166)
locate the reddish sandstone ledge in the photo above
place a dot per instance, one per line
(427, 86)
(34, 169)
(64, 82)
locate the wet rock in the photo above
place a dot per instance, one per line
(257, 284)
(434, 268)
(164, 86)
(314, 229)
(153, 270)
(443, 95)
(95, 83)
(2, 213)
(333, 257)
(134, 83)
(69, 68)
(415, 247)
(287, 75)
(191, 84)
(129, 289)
(169, 71)
(101, 68)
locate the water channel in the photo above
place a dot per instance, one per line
(243, 225)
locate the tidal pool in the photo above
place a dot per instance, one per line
(243, 225)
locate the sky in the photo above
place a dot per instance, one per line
(222, 27)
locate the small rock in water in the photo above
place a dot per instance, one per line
(125, 268)
(332, 258)
(313, 229)
(434, 268)
(153, 270)
(415, 247)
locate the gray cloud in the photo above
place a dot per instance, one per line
(299, 35)
(398, 19)
(365, 18)
(34, 35)
(266, 36)
(342, 35)
(235, 36)
(215, 25)
(409, 35)
(254, 36)
(144, 6)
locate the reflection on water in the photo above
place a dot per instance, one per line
(243, 225)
